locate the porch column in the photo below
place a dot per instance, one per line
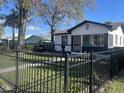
(81, 42)
(106, 40)
(71, 43)
(8, 44)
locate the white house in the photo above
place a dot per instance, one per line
(90, 36)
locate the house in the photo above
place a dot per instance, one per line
(90, 36)
(32, 40)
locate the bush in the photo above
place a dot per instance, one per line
(29, 47)
(44, 46)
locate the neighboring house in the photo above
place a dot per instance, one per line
(91, 36)
(32, 40)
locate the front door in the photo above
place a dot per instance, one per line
(76, 42)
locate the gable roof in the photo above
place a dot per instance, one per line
(86, 21)
(117, 24)
(33, 39)
(110, 26)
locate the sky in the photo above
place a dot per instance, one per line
(104, 10)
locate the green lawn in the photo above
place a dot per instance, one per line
(46, 75)
(117, 85)
(6, 61)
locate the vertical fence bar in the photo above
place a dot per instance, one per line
(111, 65)
(91, 74)
(66, 71)
(16, 73)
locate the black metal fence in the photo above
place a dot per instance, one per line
(57, 73)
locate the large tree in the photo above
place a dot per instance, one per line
(59, 11)
(26, 10)
(12, 20)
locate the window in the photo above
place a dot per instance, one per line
(87, 40)
(123, 41)
(65, 40)
(87, 26)
(120, 40)
(116, 39)
(98, 40)
(110, 40)
(93, 40)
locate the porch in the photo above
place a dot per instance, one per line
(94, 42)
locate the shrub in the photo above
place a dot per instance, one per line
(29, 47)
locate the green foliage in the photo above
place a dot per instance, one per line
(27, 5)
(12, 19)
(74, 89)
(29, 47)
(2, 30)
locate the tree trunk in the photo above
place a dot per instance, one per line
(21, 38)
(52, 38)
(13, 38)
(52, 34)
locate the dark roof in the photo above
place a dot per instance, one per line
(110, 26)
(33, 39)
(86, 21)
(61, 32)
(117, 24)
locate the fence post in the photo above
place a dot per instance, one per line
(16, 73)
(66, 69)
(91, 73)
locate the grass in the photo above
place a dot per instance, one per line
(117, 85)
(47, 75)
(6, 61)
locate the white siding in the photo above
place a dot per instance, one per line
(93, 29)
(119, 33)
(58, 43)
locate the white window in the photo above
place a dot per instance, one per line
(116, 39)
(123, 41)
(87, 26)
(110, 40)
(120, 40)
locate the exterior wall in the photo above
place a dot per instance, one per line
(93, 29)
(119, 33)
(58, 43)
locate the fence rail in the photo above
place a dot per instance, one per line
(57, 73)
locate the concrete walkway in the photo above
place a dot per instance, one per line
(10, 69)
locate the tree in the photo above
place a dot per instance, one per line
(59, 11)
(1, 30)
(25, 10)
(12, 20)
